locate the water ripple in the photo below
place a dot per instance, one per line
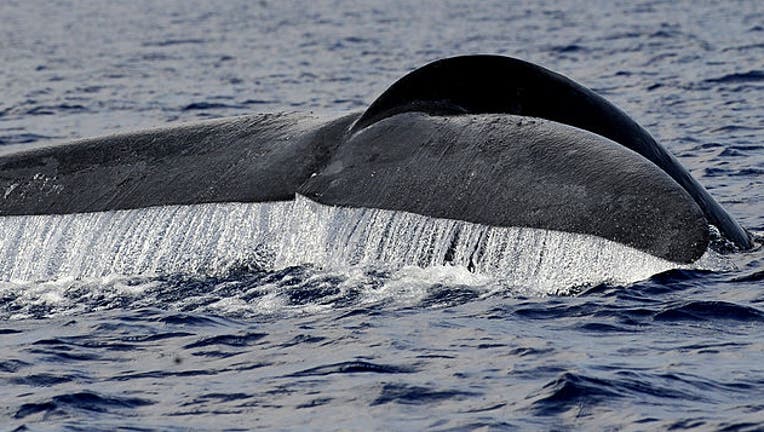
(352, 367)
(736, 78)
(67, 404)
(417, 395)
(710, 311)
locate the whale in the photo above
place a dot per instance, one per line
(486, 139)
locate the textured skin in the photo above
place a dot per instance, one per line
(245, 159)
(521, 172)
(482, 84)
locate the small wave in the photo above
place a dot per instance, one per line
(732, 153)
(754, 46)
(82, 401)
(171, 42)
(572, 391)
(12, 366)
(314, 403)
(569, 49)
(201, 106)
(240, 340)
(23, 138)
(155, 337)
(44, 379)
(603, 328)
(671, 279)
(737, 78)
(417, 395)
(583, 393)
(753, 277)
(736, 128)
(218, 397)
(258, 102)
(710, 311)
(748, 172)
(55, 109)
(302, 339)
(73, 343)
(351, 367)
(188, 320)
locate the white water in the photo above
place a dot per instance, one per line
(213, 238)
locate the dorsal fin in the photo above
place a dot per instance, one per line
(480, 84)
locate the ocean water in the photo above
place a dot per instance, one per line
(291, 316)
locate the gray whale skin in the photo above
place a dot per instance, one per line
(486, 139)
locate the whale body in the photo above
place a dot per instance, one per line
(485, 139)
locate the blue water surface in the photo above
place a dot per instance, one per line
(680, 351)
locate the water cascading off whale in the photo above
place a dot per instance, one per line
(485, 139)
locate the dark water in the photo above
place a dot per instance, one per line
(300, 347)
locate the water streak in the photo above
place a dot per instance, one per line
(214, 238)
